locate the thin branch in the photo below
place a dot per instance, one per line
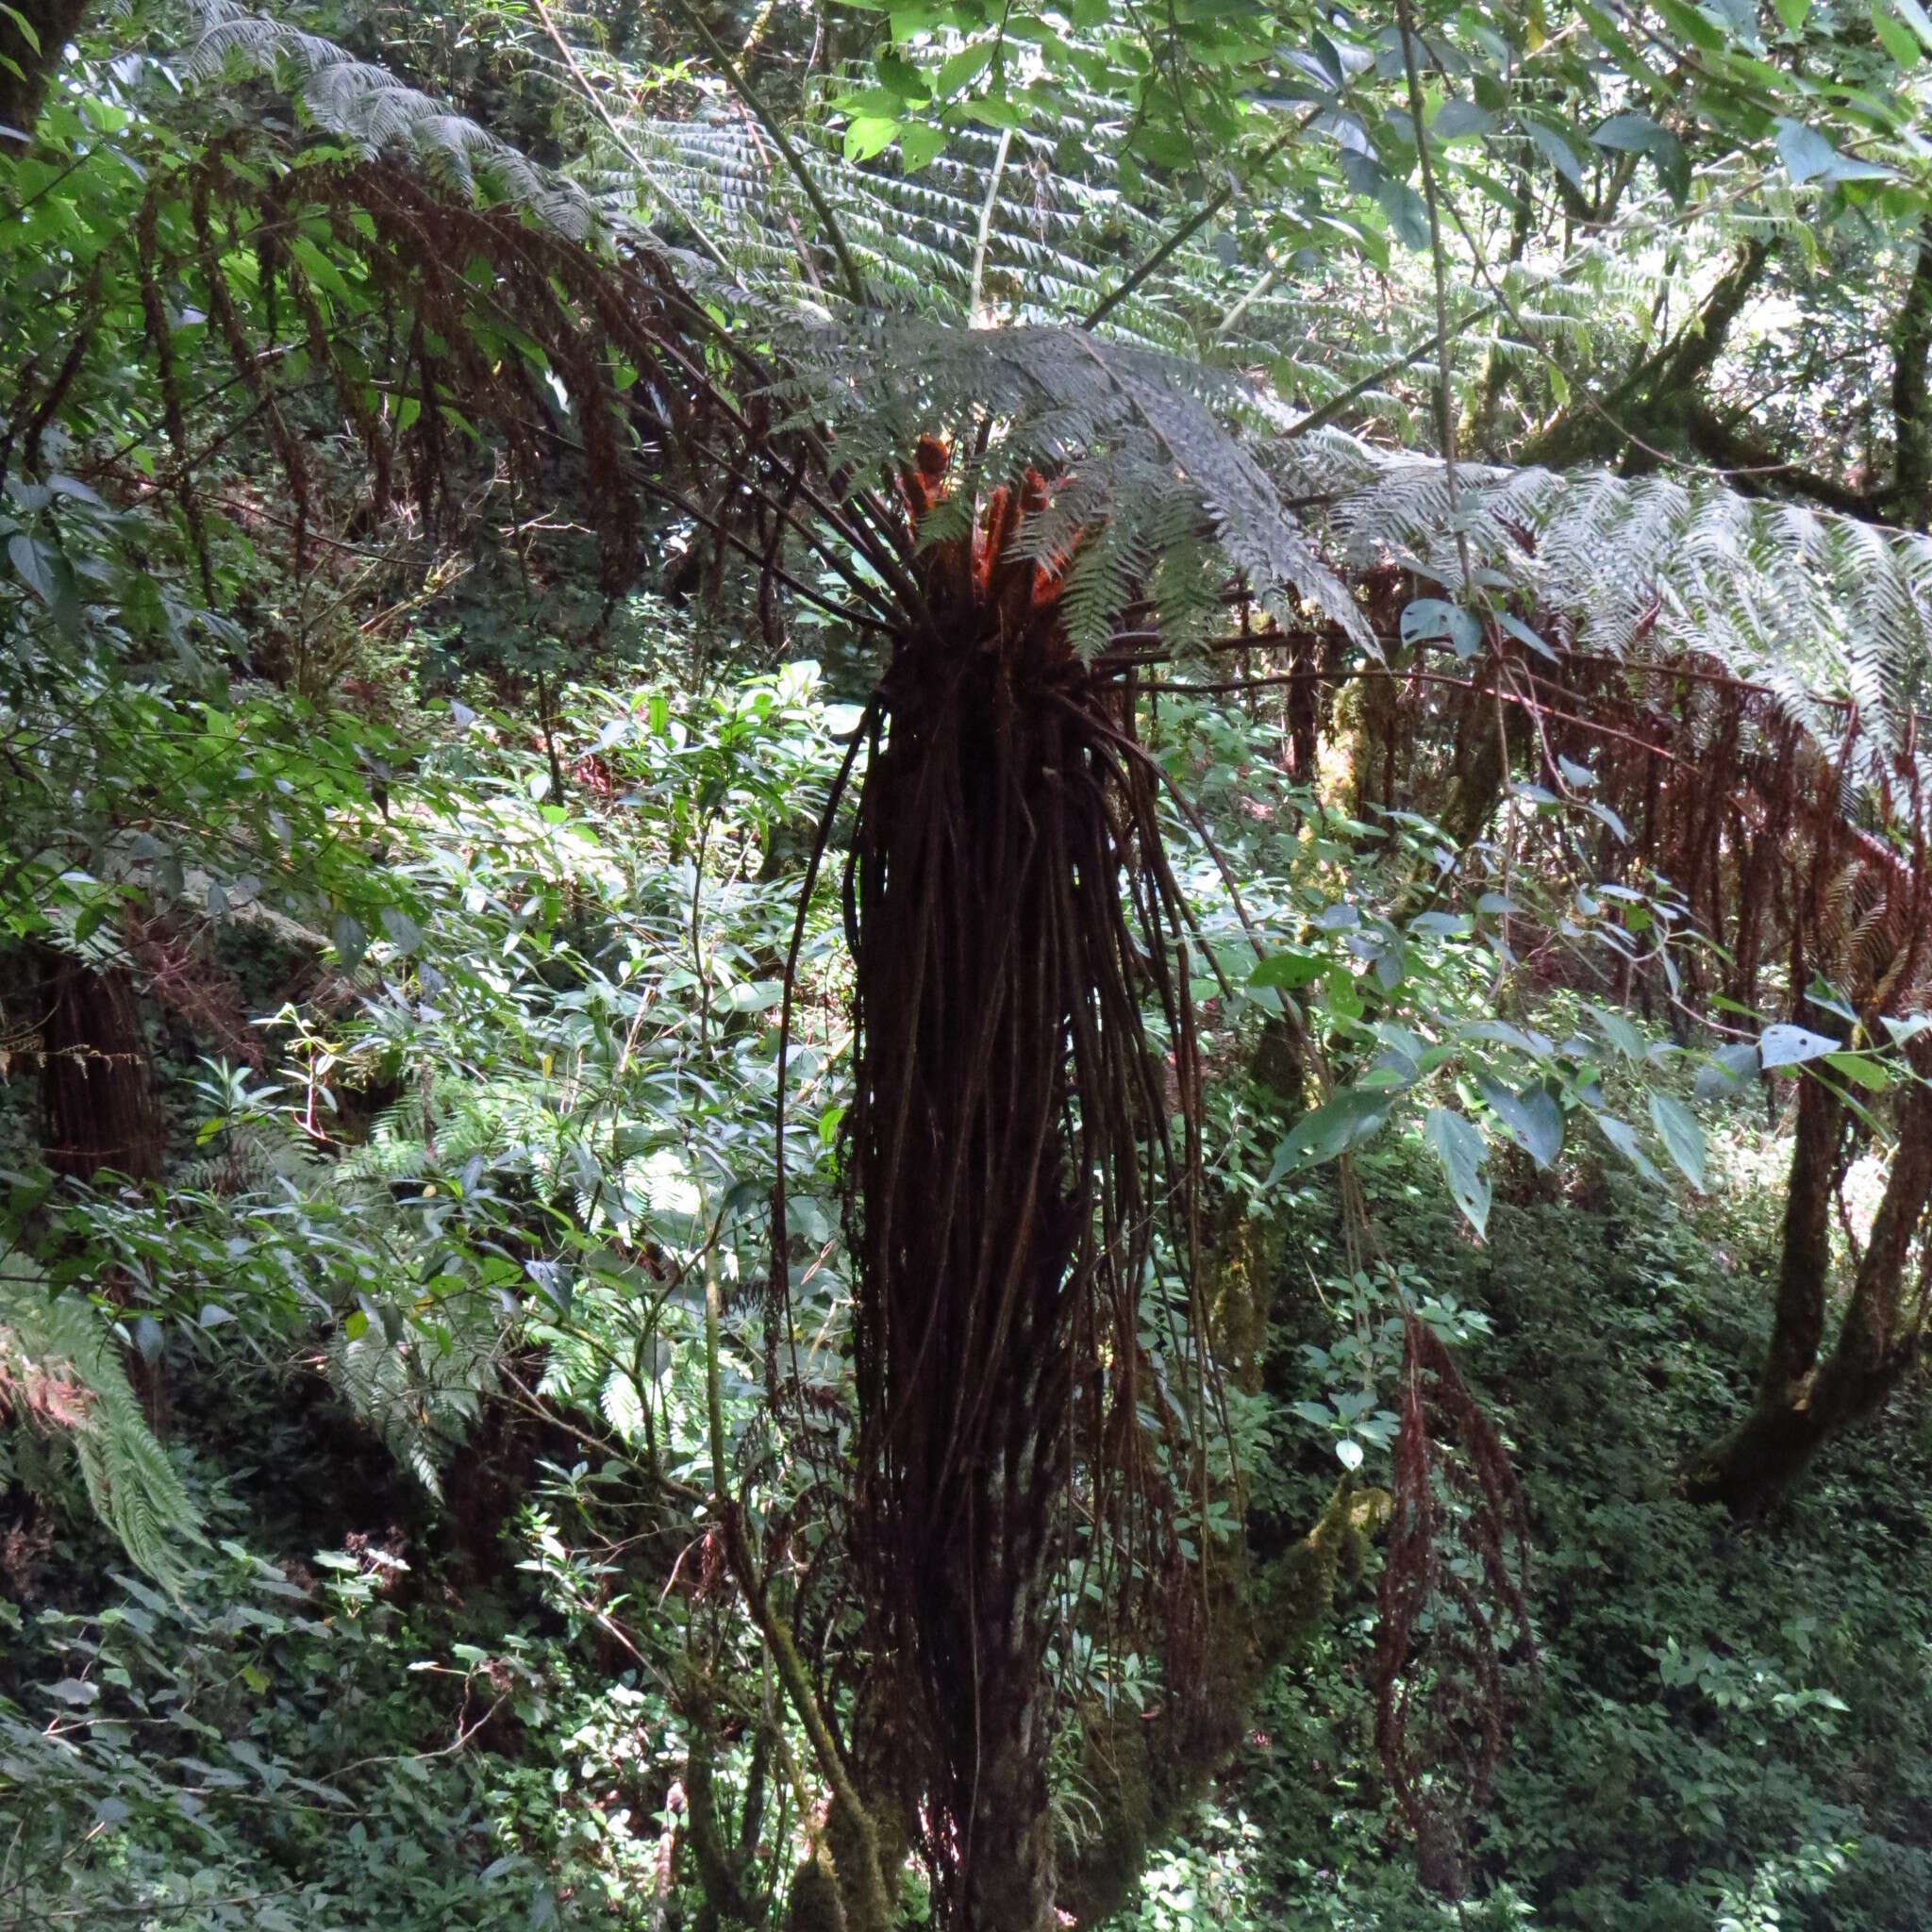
(855, 282)
(1405, 27)
(623, 146)
(992, 195)
(1151, 264)
(1320, 419)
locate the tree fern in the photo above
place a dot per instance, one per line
(366, 104)
(1818, 609)
(1136, 433)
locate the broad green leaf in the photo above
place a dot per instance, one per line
(1622, 1136)
(1516, 629)
(1432, 620)
(1871, 1073)
(1784, 1046)
(1914, 15)
(1534, 1118)
(1460, 1147)
(1290, 969)
(1676, 1127)
(1556, 149)
(1731, 1069)
(867, 135)
(962, 69)
(1332, 1128)
(1897, 37)
(1619, 1032)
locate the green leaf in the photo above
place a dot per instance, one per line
(1534, 1117)
(1789, 1046)
(32, 563)
(1525, 636)
(1460, 1147)
(1622, 1136)
(1289, 970)
(1872, 1075)
(1408, 212)
(1808, 157)
(1619, 1032)
(1730, 1070)
(350, 940)
(1894, 35)
(867, 135)
(1556, 149)
(920, 143)
(1629, 134)
(962, 69)
(1915, 17)
(1676, 1127)
(1341, 1124)
(1432, 620)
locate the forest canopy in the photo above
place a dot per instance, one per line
(965, 965)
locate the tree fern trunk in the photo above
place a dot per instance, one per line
(97, 1101)
(1804, 1258)
(28, 59)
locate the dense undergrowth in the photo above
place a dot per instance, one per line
(375, 1706)
(1731, 1729)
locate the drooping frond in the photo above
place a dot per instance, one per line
(1134, 435)
(366, 104)
(1828, 615)
(59, 1370)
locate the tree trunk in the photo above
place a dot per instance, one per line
(1912, 392)
(1664, 393)
(28, 60)
(1754, 1467)
(1805, 1260)
(97, 1100)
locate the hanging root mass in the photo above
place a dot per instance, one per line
(1454, 1631)
(1011, 1161)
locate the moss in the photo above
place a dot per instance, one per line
(813, 1905)
(1240, 1276)
(1146, 1776)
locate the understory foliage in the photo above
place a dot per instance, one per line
(963, 967)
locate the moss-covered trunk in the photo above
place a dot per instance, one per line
(1750, 1470)
(32, 36)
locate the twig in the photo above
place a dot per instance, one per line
(1405, 27)
(1192, 226)
(1319, 419)
(855, 282)
(992, 195)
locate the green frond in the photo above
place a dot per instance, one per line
(366, 104)
(420, 1395)
(1142, 434)
(1816, 608)
(60, 1370)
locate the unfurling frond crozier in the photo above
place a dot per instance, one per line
(1153, 477)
